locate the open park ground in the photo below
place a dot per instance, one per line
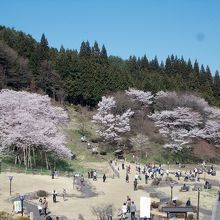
(113, 191)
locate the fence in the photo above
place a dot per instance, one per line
(16, 169)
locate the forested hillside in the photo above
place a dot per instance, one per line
(83, 77)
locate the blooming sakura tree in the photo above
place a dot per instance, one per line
(111, 127)
(141, 96)
(140, 142)
(170, 100)
(179, 125)
(30, 125)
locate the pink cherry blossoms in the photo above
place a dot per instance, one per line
(30, 125)
(111, 126)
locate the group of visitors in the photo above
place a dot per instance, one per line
(92, 174)
(127, 207)
(43, 206)
(43, 203)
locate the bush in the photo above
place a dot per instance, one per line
(141, 187)
(102, 211)
(22, 218)
(155, 205)
(103, 153)
(156, 181)
(190, 217)
(169, 179)
(178, 203)
(42, 193)
(5, 216)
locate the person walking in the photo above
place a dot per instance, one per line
(45, 206)
(133, 210)
(104, 178)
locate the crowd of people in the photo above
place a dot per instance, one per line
(147, 172)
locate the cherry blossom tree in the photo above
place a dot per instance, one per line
(179, 126)
(141, 96)
(140, 143)
(110, 126)
(30, 125)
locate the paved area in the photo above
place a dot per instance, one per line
(32, 208)
(216, 210)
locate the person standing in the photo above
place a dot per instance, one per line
(104, 178)
(135, 184)
(94, 175)
(188, 202)
(52, 174)
(219, 194)
(40, 206)
(128, 204)
(146, 177)
(124, 211)
(123, 165)
(82, 180)
(127, 178)
(133, 210)
(54, 196)
(45, 206)
(64, 194)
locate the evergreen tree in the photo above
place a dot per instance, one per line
(43, 48)
(85, 50)
(95, 50)
(216, 85)
(103, 54)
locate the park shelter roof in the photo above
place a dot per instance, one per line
(177, 209)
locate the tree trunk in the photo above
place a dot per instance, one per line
(34, 159)
(46, 160)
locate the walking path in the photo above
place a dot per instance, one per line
(31, 208)
(216, 210)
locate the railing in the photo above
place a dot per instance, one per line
(116, 173)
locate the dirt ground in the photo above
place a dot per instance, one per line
(113, 191)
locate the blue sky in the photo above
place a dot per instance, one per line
(127, 27)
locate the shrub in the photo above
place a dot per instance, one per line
(22, 218)
(103, 153)
(168, 179)
(155, 205)
(42, 193)
(178, 203)
(156, 181)
(102, 211)
(190, 217)
(5, 216)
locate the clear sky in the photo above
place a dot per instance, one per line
(127, 27)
